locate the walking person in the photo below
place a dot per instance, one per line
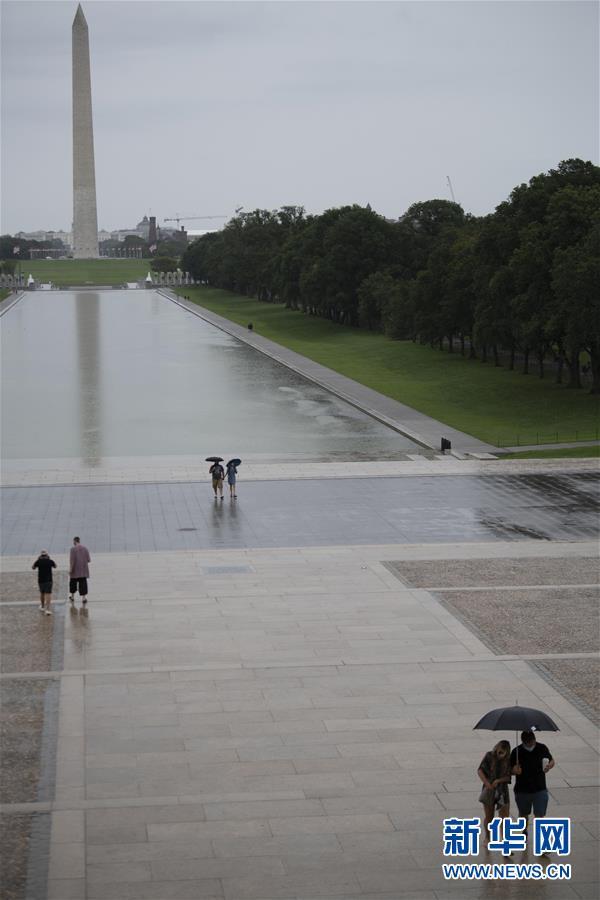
(529, 762)
(79, 570)
(495, 773)
(44, 565)
(218, 474)
(231, 477)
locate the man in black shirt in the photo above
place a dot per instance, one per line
(44, 565)
(529, 762)
(218, 474)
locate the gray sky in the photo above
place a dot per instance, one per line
(200, 107)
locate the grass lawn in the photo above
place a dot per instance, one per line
(4, 292)
(84, 271)
(555, 454)
(490, 403)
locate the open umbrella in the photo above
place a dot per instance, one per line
(234, 462)
(517, 718)
(214, 459)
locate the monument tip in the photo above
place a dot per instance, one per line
(79, 16)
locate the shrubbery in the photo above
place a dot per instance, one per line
(523, 281)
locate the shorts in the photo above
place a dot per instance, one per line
(217, 484)
(538, 800)
(78, 584)
(45, 587)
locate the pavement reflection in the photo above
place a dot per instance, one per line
(173, 516)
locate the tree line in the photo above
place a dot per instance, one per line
(520, 286)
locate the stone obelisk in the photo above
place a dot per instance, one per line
(85, 218)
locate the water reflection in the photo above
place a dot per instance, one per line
(138, 376)
(87, 319)
(80, 635)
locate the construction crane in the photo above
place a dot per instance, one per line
(451, 189)
(179, 219)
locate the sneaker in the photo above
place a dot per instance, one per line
(84, 601)
(41, 608)
(48, 612)
(71, 598)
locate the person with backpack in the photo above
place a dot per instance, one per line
(44, 565)
(218, 474)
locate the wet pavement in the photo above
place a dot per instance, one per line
(288, 723)
(142, 517)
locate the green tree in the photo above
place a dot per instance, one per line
(374, 293)
(420, 228)
(576, 282)
(200, 258)
(163, 264)
(345, 245)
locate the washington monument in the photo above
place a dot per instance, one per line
(85, 218)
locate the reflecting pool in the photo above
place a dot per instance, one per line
(91, 376)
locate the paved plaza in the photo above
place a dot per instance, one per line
(307, 512)
(274, 698)
(281, 723)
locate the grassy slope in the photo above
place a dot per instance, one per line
(479, 399)
(572, 452)
(82, 271)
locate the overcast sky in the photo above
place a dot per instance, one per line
(200, 107)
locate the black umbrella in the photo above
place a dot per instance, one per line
(517, 718)
(234, 462)
(214, 459)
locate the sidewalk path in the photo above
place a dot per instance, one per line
(151, 469)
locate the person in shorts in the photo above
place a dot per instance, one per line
(494, 773)
(218, 474)
(44, 565)
(79, 570)
(529, 762)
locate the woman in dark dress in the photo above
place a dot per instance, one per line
(231, 478)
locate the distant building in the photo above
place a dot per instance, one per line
(146, 229)
(175, 234)
(64, 236)
(141, 230)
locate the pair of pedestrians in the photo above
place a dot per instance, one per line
(219, 474)
(529, 762)
(79, 559)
